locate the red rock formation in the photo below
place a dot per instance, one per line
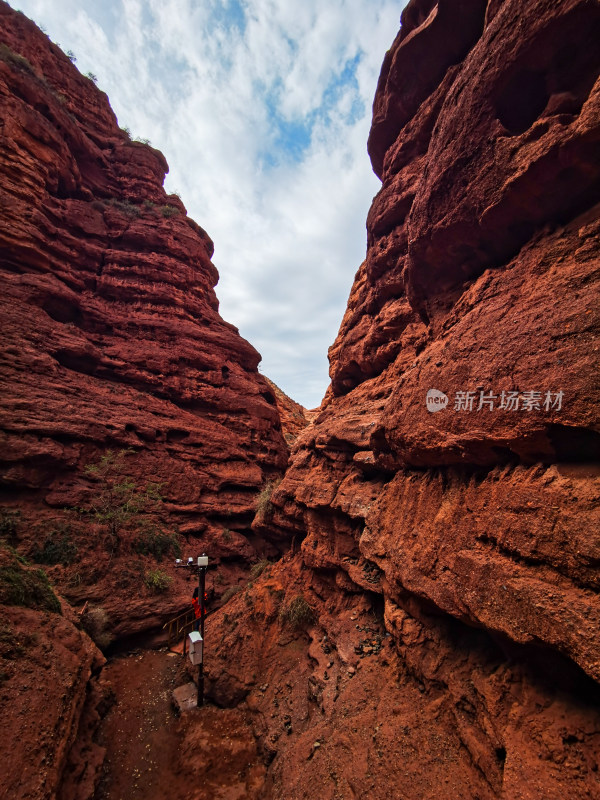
(48, 695)
(111, 333)
(436, 709)
(294, 417)
(473, 532)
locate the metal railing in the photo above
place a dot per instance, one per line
(179, 627)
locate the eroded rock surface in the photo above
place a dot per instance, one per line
(474, 529)
(349, 700)
(294, 417)
(50, 693)
(112, 339)
(433, 632)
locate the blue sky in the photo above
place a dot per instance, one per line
(262, 109)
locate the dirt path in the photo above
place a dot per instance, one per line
(153, 754)
(140, 732)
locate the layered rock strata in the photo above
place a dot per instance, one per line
(111, 335)
(470, 520)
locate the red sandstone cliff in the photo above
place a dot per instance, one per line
(294, 417)
(451, 558)
(111, 338)
(50, 693)
(111, 341)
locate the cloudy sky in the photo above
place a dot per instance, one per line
(262, 109)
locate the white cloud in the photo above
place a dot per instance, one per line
(262, 109)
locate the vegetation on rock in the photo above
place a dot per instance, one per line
(21, 585)
(228, 593)
(260, 566)
(118, 499)
(58, 547)
(153, 541)
(9, 523)
(157, 581)
(297, 613)
(263, 505)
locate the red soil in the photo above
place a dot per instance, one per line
(151, 753)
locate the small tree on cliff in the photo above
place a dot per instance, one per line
(118, 499)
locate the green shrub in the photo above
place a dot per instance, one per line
(125, 207)
(154, 542)
(227, 537)
(95, 622)
(169, 211)
(298, 613)
(157, 581)
(9, 523)
(116, 500)
(27, 587)
(58, 548)
(17, 556)
(19, 61)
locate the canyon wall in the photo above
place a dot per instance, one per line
(112, 340)
(448, 550)
(50, 694)
(112, 348)
(294, 417)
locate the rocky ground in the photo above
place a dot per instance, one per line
(366, 700)
(153, 753)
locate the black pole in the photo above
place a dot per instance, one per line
(202, 590)
(201, 585)
(197, 622)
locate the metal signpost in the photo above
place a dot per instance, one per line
(196, 638)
